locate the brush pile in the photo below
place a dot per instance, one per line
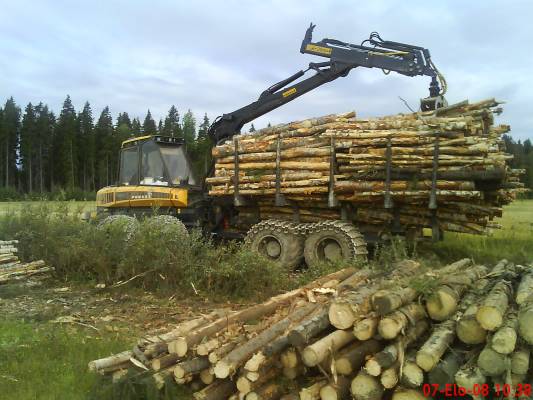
(449, 163)
(11, 269)
(365, 334)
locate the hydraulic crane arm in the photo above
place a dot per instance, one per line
(342, 58)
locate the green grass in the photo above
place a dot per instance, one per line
(48, 361)
(513, 242)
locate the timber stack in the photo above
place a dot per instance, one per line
(12, 269)
(361, 334)
(447, 166)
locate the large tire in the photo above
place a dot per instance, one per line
(334, 241)
(121, 223)
(278, 241)
(169, 225)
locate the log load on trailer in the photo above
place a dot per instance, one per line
(325, 187)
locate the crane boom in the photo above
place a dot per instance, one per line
(342, 57)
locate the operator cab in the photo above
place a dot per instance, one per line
(155, 161)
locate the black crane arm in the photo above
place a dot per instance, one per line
(343, 57)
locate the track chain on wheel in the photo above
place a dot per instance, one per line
(281, 241)
(345, 232)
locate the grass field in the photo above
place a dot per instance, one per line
(40, 360)
(514, 241)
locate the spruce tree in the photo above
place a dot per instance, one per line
(252, 128)
(171, 126)
(105, 146)
(124, 119)
(9, 135)
(189, 129)
(149, 127)
(45, 122)
(28, 133)
(87, 145)
(65, 151)
(202, 150)
(136, 129)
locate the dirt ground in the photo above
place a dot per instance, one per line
(130, 313)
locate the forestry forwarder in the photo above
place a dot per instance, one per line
(155, 171)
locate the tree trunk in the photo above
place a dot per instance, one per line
(520, 361)
(386, 301)
(238, 356)
(270, 391)
(366, 328)
(492, 309)
(391, 325)
(352, 358)
(504, 339)
(525, 320)
(443, 303)
(491, 362)
(444, 372)
(218, 390)
(525, 289)
(318, 351)
(366, 387)
(110, 361)
(336, 390)
(191, 366)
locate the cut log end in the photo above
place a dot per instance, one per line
(341, 315)
(222, 370)
(366, 387)
(490, 318)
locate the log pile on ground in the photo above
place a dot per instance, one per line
(359, 334)
(453, 157)
(12, 269)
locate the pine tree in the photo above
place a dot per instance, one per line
(28, 133)
(149, 127)
(252, 128)
(9, 134)
(160, 126)
(189, 129)
(171, 126)
(87, 146)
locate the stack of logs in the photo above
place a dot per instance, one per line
(404, 166)
(368, 335)
(11, 269)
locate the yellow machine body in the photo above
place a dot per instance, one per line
(154, 172)
(141, 196)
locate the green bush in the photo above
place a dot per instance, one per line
(154, 258)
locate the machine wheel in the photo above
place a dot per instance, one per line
(169, 225)
(278, 241)
(121, 223)
(333, 241)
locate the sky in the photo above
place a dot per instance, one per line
(216, 56)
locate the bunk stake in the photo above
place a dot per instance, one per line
(388, 166)
(279, 200)
(433, 192)
(238, 200)
(332, 199)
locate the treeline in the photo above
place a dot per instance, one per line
(73, 154)
(523, 158)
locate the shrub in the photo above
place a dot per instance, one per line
(155, 258)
